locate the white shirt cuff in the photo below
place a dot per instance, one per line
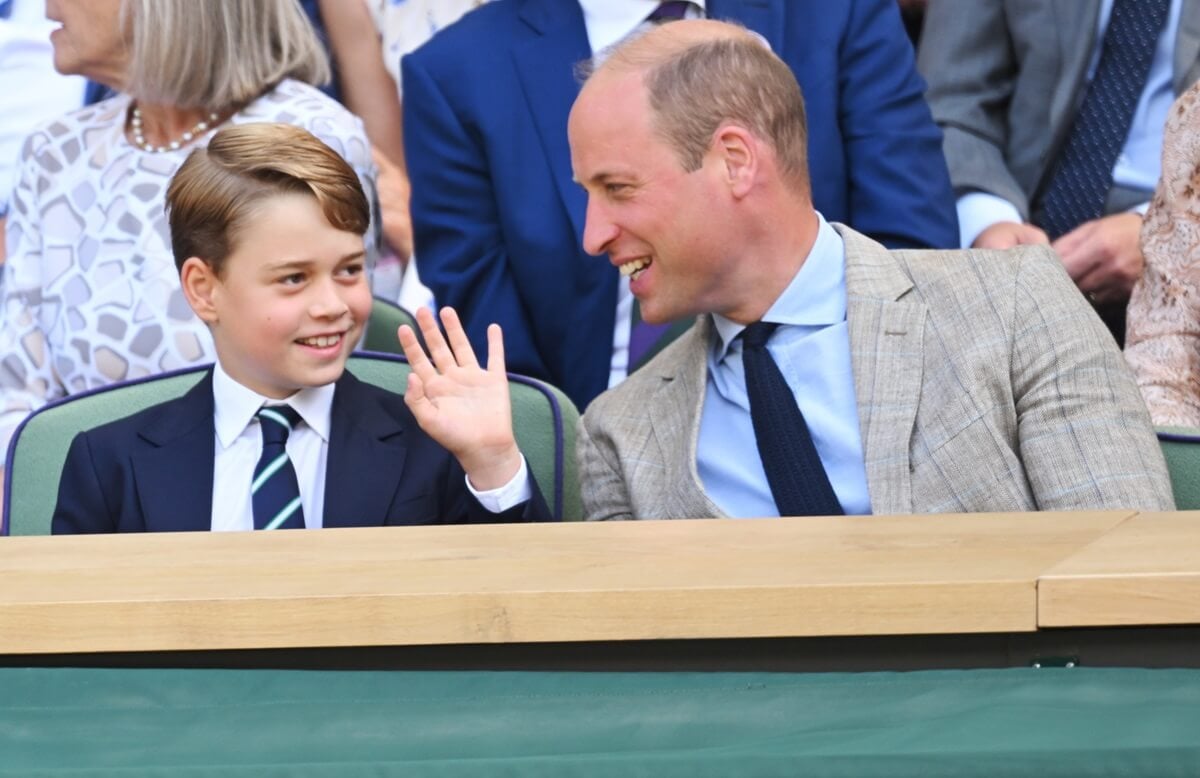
(979, 210)
(513, 493)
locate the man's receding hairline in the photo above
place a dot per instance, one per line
(646, 53)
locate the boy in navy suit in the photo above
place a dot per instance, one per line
(266, 227)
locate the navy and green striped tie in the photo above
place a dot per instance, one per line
(275, 491)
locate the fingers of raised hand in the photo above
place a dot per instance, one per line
(495, 358)
(464, 355)
(435, 342)
(416, 356)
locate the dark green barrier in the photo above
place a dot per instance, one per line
(1015, 722)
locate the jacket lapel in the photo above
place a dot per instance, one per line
(546, 62)
(1187, 47)
(887, 357)
(1075, 25)
(364, 440)
(174, 480)
(675, 423)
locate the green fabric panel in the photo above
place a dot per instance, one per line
(1017, 722)
(1183, 462)
(386, 317)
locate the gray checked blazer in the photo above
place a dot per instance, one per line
(1006, 78)
(984, 383)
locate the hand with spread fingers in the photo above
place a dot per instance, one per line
(461, 405)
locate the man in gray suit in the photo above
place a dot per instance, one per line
(921, 381)
(1010, 82)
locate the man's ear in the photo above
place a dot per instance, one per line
(200, 284)
(740, 156)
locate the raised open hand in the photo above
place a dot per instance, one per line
(459, 404)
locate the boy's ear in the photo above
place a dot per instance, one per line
(199, 284)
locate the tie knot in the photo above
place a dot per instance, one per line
(669, 11)
(276, 422)
(757, 334)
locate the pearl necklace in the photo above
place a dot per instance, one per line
(139, 137)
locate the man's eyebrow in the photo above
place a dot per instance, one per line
(597, 178)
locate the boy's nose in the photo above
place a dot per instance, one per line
(328, 302)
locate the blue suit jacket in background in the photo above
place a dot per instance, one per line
(498, 221)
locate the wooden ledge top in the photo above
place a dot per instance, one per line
(1145, 571)
(534, 583)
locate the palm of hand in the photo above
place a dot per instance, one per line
(466, 408)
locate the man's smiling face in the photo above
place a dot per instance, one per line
(659, 223)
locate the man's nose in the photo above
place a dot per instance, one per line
(598, 229)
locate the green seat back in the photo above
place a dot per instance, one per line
(1181, 448)
(386, 317)
(544, 420)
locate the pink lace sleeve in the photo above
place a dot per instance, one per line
(1163, 338)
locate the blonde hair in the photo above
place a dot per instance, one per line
(217, 189)
(216, 54)
(700, 74)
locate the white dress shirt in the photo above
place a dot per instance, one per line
(239, 447)
(1139, 164)
(608, 23)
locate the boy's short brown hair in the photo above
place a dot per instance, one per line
(218, 188)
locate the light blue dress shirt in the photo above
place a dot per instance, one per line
(812, 349)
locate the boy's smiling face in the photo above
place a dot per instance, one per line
(291, 301)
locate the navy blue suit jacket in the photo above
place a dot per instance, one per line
(153, 471)
(498, 221)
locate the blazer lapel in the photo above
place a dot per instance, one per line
(1187, 47)
(675, 424)
(363, 438)
(545, 63)
(887, 357)
(175, 478)
(1075, 25)
(763, 16)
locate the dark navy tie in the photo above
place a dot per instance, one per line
(5, 8)
(275, 491)
(1078, 187)
(797, 478)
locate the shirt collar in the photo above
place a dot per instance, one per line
(609, 21)
(235, 405)
(816, 296)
